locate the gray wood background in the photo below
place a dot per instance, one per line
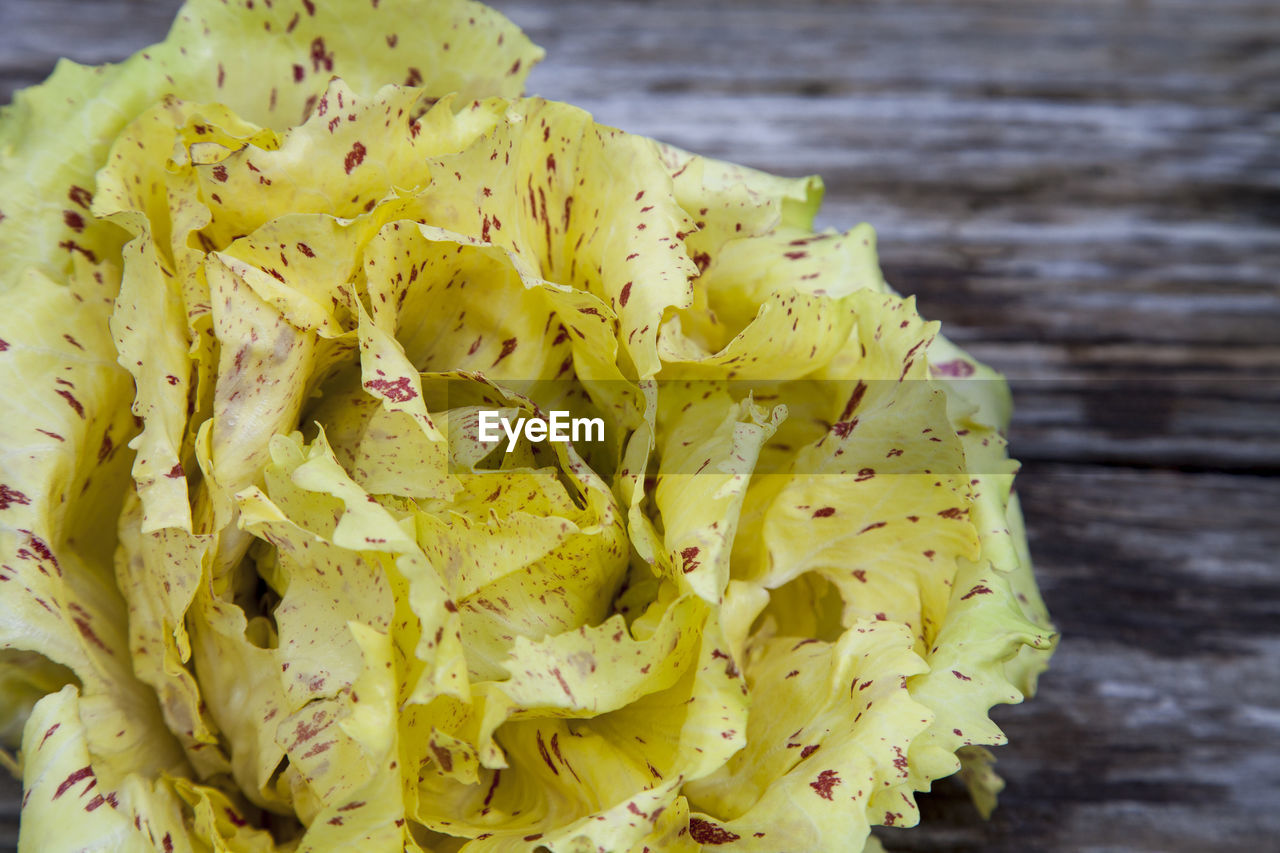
(1087, 194)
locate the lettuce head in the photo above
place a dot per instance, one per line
(266, 585)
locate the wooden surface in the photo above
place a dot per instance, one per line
(1087, 194)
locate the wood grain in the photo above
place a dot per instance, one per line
(1087, 194)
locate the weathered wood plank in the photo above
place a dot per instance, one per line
(34, 34)
(10, 810)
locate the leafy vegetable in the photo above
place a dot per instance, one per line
(264, 586)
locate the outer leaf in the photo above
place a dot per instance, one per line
(63, 806)
(816, 766)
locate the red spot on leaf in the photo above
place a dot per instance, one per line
(80, 196)
(397, 391)
(841, 429)
(318, 748)
(493, 786)
(957, 368)
(730, 669)
(42, 550)
(9, 496)
(354, 157)
(443, 757)
(508, 347)
(826, 780)
(73, 246)
(82, 773)
(564, 685)
(305, 731)
(71, 401)
(319, 57)
(546, 756)
(854, 399)
(87, 632)
(901, 761)
(706, 832)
